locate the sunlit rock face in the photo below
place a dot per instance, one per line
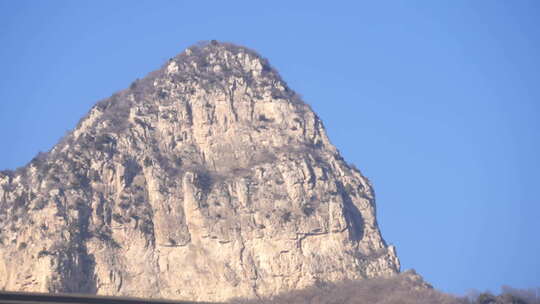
(206, 180)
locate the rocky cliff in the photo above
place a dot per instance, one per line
(206, 180)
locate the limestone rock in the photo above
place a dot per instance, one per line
(206, 180)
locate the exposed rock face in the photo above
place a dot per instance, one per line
(206, 180)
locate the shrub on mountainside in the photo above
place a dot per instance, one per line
(399, 289)
(394, 290)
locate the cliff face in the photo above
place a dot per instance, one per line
(206, 180)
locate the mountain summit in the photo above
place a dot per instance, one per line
(206, 180)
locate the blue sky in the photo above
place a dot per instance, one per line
(437, 102)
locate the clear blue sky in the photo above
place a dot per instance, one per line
(437, 102)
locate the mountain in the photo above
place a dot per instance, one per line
(206, 180)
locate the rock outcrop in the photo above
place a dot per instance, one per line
(206, 180)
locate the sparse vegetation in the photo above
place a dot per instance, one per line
(508, 296)
(399, 289)
(308, 209)
(286, 216)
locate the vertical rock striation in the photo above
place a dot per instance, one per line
(205, 180)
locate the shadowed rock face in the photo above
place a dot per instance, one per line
(206, 180)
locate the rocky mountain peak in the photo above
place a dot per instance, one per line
(221, 59)
(207, 179)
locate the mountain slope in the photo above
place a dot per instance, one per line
(206, 180)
